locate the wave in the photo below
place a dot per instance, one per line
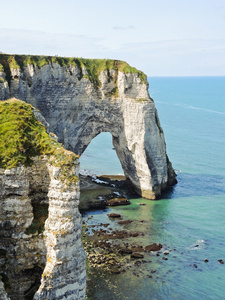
(198, 245)
(199, 108)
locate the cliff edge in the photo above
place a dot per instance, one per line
(41, 255)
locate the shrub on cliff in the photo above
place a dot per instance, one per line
(22, 137)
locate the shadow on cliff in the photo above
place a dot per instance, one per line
(190, 185)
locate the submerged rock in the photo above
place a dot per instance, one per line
(114, 215)
(125, 222)
(137, 255)
(153, 247)
(125, 251)
(221, 261)
(118, 201)
(137, 249)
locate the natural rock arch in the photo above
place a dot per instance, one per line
(82, 98)
(104, 160)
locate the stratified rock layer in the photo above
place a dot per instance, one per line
(25, 248)
(41, 254)
(78, 106)
(65, 267)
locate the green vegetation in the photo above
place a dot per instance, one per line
(93, 66)
(142, 99)
(23, 137)
(13, 63)
(113, 92)
(65, 159)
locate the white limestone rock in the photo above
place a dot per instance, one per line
(25, 251)
(77, 110)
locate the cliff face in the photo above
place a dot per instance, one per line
(40, 224)
(82, 98)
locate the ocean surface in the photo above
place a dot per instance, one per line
(189, 220)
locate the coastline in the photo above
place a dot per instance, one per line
(113, 246)
(97, 190)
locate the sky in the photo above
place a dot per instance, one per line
(159, 37)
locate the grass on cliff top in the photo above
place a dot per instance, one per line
(93, 66)
(23, 137)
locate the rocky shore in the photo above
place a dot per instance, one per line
(101, 191)
(109, 249)
(118, 244)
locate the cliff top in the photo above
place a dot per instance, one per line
(23, 137)
(93, 66)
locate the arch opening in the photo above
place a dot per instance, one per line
(101, 174)
(100, 157)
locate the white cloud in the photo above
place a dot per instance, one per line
(166, 57)
(178, 57)
(39, 42)
(130, 27)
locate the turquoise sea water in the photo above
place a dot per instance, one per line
(189, 220)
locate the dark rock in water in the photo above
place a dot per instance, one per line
(113, 215)
(196, 246)
(145, 261)
(134, 234)
(124, 222)
(118, 201)
(165, 258)
(153, 247)
(206, 260)
(137, 255)
(195, 266)
(221, 261)
(115, 271)
(141, 203)
(138, 249)
(125, 251)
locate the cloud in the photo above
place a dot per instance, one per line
(38, 42)
(180, 46)
(177, 57)
(130, 27)
(183, 57)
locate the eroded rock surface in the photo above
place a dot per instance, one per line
(41, 255)
(27, 247)
(79, 105)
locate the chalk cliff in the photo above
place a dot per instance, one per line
(81, 98)
(40, 224)
(40, 227)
